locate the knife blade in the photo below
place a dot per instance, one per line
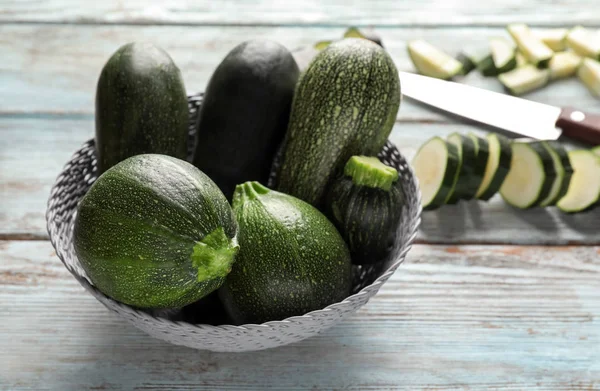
(510, 113)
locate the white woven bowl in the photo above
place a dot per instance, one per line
(79, 174)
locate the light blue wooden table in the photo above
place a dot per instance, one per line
(490, 298)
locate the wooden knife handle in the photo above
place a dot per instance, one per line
(580, 126)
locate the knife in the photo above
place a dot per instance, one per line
(516, 115)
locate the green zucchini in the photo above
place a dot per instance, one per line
(291, 261)
(431, 61)
(534, 50)
(365, 205)
(589, 74)
(153, 231)
(563, 169)
(436, 164)
(564, 64)
(584, 188)
(141, 106)
(482, 153)
(524, 79)
(467, 152)
(497, 166)
(244, 115)
(503, 55)
(584, 42)
(354, 32)
(531, 176)
(345, 104)
(555, 39)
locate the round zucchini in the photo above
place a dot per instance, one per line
(292, 260)
(155, 232)
(365, 205)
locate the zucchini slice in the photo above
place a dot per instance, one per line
(531, 175)
(584, 42)
(564, 64)
(524, 79)
(521, 60)
(431, 61)
(435, 165)
(503, 55)
(584, 189)
(467, 152)
(563, 169)
(482, 152)
(589, 74)
(555, 39)
(534, 50)
(497, 166)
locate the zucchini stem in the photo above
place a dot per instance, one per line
(249, 191)
(369, 171)
(214, 255)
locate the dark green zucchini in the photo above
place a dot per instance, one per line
(141, 106)
(291, 261)
(345, 104)
(467, 152)
(154, 232)
(365, 205)
(497, 167)
(245, 112)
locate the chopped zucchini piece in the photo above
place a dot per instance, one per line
(589, 74)
(431, 61)
(584, 189)
(564, 64)
(584, 42)
(531, 175)
(521, 60)
(563, 169)
(322, 45)
(435, 165)
(555, 39)
(524, 79)
(503, 55)
(534, 50)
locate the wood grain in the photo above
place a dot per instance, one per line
(39, 148)
(460, 317)
(312, 12)
(49, 71)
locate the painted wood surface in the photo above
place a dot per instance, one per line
(311, 12)
(452, 317)
(51, 70)
(25, 184)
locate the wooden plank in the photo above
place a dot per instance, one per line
(272, 12)
(451, 318)
(53, 70)
(40, 147)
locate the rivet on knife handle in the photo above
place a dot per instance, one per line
(580, 126)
